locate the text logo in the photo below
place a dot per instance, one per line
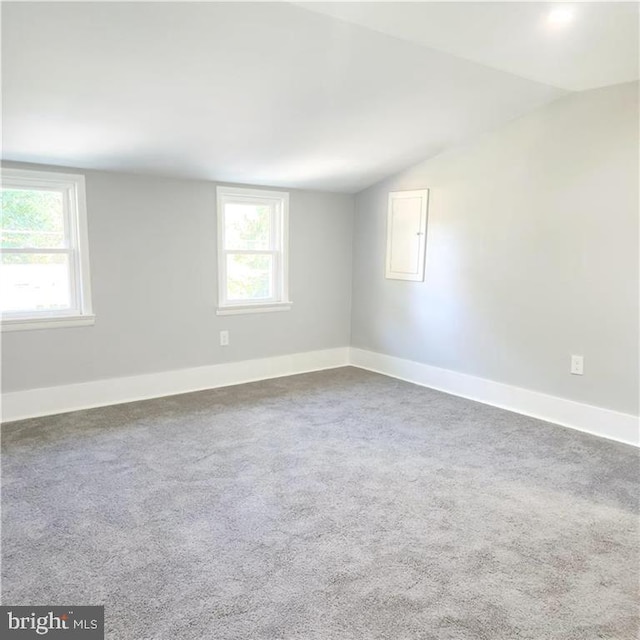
(73, 623)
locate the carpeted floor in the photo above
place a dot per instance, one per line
(333, 505)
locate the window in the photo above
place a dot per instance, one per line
(252, 250)
(44, 275)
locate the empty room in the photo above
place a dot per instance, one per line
(320, 321)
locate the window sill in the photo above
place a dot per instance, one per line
(233, 310)
(51, 322)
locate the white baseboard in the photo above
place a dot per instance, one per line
(597, 421)
(31, 403)
(622, 427)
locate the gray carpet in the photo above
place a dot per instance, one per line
(334, 505)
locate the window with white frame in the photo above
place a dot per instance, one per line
(44, 276)
(252, 250)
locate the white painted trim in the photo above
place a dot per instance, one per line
(82, 240)
(253, 308)
(46, 322)
(72, 185)
(17, 405)
(613, 425)
(597, 421)
(279, 247)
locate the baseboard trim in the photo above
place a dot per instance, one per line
(597, 421)
(18, 405)
(605, 423)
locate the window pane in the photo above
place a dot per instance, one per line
(247, 226)
(35, 282)
(32, 218)
(249, 277)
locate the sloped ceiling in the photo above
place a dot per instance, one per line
(589, 45)
(264, 93)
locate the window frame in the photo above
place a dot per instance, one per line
(278, 201)
(72, 187)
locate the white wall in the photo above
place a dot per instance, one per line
(153, 276)
(532, 255)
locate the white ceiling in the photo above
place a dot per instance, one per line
(596, 48)
(263, 93)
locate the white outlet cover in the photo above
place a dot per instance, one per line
(577, 365)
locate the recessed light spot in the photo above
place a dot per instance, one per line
(560, 16)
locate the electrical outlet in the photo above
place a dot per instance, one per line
(224, 338)
(577, 365)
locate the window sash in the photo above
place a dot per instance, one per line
(274, 220)
(277, 204)
(27, 250)
(74, 308)
(74, 238)
(275, 277)
(68, 226)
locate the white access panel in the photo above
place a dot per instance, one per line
(406, 234)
